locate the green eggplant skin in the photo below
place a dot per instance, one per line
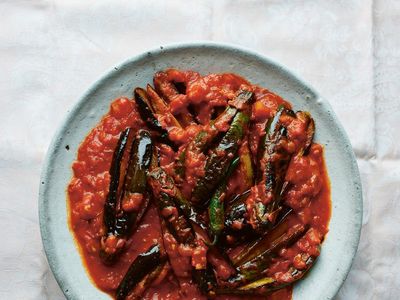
(143, 265)
(216, 210)
(263, 287)
(251, 267)
(220, 158)
(180, 168)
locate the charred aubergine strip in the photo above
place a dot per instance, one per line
(161, 108)
(141, 267)
(216, 211)
(127, 200)
(177, 218)
(237, 229)
(147, 114)
(260, 257)
(264, 244)
(117, 171)
(275, 162)
(220, 158)
(169, 196)
(266, 285)
(205, 137)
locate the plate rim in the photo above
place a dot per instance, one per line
(58, 135)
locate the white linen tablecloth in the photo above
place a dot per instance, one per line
(51, 51)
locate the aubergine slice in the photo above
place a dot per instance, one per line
(218, 162)
(251, 267)
(276, 169)
(266, 285)
(142, 266)
(216, 209)
(147, 114)
(176, 217)
(118, 171)
(269, 242)
(206, 137)
(275, 161)
(135, 186)
(160, 107)
(181, 219)
(168, 195)
(237, 227)
(137, 292)
(128, 199)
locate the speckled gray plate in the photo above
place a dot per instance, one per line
(340, 246)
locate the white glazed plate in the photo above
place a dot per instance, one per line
(340, 246)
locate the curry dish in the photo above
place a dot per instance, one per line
(200, 187)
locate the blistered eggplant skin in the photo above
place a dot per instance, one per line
(147, 114)
(173, 208)
(117, 172)
(131, 176)
(143, 265)
(275, 169)
(251, 267)
(216, 209)
(160, 107)
(220, 158)
(266, 285)
(264, 243)
(273, 175)
(135, 183)
(161, 182)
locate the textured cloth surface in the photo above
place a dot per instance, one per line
(51, 51)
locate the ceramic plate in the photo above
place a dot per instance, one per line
(340, 245)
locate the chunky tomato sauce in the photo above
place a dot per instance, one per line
(308, 194)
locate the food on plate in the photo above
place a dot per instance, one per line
(200, 187)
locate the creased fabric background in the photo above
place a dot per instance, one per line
(51, 51)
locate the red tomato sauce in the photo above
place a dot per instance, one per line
(308, 196)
